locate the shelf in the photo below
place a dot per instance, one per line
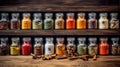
(57, 32)
(44, 8)
(27, 61)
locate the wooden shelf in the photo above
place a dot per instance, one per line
(27, 61)
(47, 8)
(57, 32)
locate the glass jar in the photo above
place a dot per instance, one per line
(38, 47)
(49, 46)
(15, 22)
(59, 22)
(70, 21)
(82, 47)
(4, 22)
(15, 47)
(26, 21)
(48, 22)
(60, 47)
(114, 22)
(81, 21)
(103, 21)
(115, 46)
(4, 48)
(37, 21)
(92, 21)
(104, 46)
(26, 46)
(71, 46)
(93, 47)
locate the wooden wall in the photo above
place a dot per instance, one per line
(62, 2)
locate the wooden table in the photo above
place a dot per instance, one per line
(27, 61)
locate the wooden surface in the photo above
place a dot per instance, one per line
(57, 32)
(47, 8)
(61, 2)
(27, 61)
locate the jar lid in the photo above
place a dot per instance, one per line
(92, 39)
(103, 14)
(92, 14)
(49, 39)
(70, 38)
(113, 14)
(27, 39)
(60, 39)
(81, 38)
(37, 14)
(38, 39)
(15, 38)
(26, 14)
(103, 38)
(70, 14)
(115, 39)
(4, 14)
(4, 39)
(81, 14)
(15, 14)
(49, 14)
(59, 14)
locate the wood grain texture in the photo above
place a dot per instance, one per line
(57, 32)
(27, 61)
(44, 8)
(61, 2)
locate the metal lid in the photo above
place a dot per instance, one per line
(26, 14)
(103, 14)
(81, 39)
(59, 14)
(38, 39)
(92, 39)
(70, 14)
(70, 38)
(81, 14)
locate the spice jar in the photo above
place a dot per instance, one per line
(92, 21)
(48, 22)
(26, 46)
(4, 22)
(15, 47)
(114, 22)
(103, 21)
(60, 47)
(82, 47)
(115, 46)
(4, 48)
(81, 21)
(37, 21)
(15, 22)
(49, 46)
(93, 47)
(26, 21)
(71, 46)
(38, 47)
(70, 22)
(59, 22)
(104, 46)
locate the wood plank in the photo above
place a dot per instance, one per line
(27, 61)
(61, 2)
(57, 32)
(44, 8)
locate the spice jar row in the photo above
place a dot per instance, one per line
(50, 22)
(59, 48)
